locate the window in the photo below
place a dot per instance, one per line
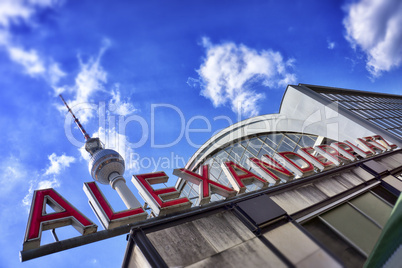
(350, 230)
(385, 110)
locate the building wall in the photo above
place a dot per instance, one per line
(344, 114)
(321, 118)
(331, 219)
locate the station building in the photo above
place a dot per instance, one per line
(342, 213)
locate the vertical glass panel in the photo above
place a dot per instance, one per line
(232, 158)
(196, 187)
(275, 139)
(228, 149)
(373, 207)
(186, 189)
(294, 137)
(335, 244)
(306, 141)
(243, 161)
(262, 137)
(251, 187)
(244, 143)
(296, 148)
(265, 150)
(215, 197)
(221, 157)
(192, 194)
(237, 153)
(224, 180)
(347, 105)
(215, 170)
(194, 201)
(354, 226)
(289, 141)
(284, 147)
(254, 146)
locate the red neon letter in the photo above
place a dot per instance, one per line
(266, 168)
(359, 151)
(345, 149)
(66, 214)
(238, 174)
(318, 160)
(331, 153)
(206, 186)
(370, 144)
(104, 211)
(162, 201)
(302, 169)
(384, 142)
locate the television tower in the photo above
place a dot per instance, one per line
(106, 166)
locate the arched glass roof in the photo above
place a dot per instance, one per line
(242, 149)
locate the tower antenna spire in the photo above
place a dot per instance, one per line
(86, 136)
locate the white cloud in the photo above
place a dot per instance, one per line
(331, 45)
(13, 10)
(90, 79)
(28, 59)
(233, 74)
(35, 65)
(58, 163)
(374, 26)
(12, 175)
(45, 3)
(117, 106)
(48, 178)
(118, 142)
(54, 74)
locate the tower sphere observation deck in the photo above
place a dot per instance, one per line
(103, 163)
(106, 166)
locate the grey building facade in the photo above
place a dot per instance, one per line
(328, 217)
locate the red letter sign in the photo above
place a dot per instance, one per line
(299, 165)
(370, 144)
(162, 201)
(205, 185)
(104, 211)
(266, 168)
(65, 214)
(331, 153)
(318, 160)
(346, 150)
(238, 174)
(359, 151)
(385, 143)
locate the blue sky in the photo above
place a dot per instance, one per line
(144, 75)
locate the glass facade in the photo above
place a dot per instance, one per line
(240, 151)
(350, 230)
(385, 112)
